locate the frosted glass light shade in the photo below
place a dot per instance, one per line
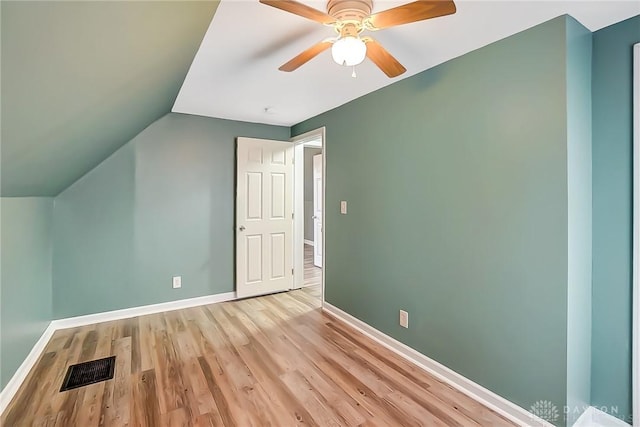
(349, 51)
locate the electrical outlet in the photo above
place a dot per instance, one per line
(404, 319)
(343, 207)
(177, 282)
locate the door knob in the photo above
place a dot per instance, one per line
(242, 228)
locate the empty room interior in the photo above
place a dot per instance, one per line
(321, 213)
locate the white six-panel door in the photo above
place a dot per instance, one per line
(264, 211)
(317, 210)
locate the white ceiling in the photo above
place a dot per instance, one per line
(235, 73)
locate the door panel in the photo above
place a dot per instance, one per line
(264, 224)
(278, 254)
(254, 196)
(254, 258)
(278, 195)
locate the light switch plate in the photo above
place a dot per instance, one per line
(343, 207)
(404, 319)
(177, 282)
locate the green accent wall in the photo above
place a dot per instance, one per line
(161, 206)
(25, 278)
(579, 269)
(81, 78)
(612, 215)
(458, 182)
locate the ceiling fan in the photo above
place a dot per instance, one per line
(350, 18)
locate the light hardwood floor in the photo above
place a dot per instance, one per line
(312, 274)
(276, 360)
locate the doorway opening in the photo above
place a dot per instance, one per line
(309, 185)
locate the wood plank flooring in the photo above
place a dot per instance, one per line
(312, 274)
(269, 361)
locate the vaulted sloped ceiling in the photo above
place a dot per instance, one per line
(247, 42)
(81, 78)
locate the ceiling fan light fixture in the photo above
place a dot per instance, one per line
(349, 51)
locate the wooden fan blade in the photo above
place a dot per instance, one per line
(411, 12)
(300, 9)
(306, 56)
(383, 59)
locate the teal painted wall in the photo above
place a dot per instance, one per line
(612, 214)
(25, 278)
(579, 219)
(458, 211)
(162, 205)
(81, 78)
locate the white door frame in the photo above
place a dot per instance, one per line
(300, 141)
(636, 235)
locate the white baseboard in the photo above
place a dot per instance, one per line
(72, 322)
(19, 376)
(309, 242)
(107, 316)
(488, 398)
(593, 417)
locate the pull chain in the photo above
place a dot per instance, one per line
(354, 72)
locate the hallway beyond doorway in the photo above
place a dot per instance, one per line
(312, 274)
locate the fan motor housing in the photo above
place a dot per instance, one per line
(349, 10)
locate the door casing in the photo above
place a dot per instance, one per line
(315, 138)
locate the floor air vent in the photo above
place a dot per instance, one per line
(89, 373)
